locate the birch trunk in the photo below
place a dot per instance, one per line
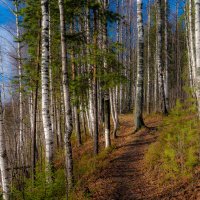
(197, 44)
(67, 105)
(51, 80)
(115, 99)
(58, 117)
(3, 158)
(75, 106)
(159, 60)
(19, 60)
(114, 109)
(148, 59)
(96, 131)
(188, 48)
(45, 84)
(77, 126)
(191, 42)
(140, 68)
(106, 92)
(90, 92)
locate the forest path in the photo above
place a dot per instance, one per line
(126, 178)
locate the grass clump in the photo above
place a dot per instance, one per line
(176, 152)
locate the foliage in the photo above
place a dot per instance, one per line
(41, 189)
(176, 152)
(56, 190)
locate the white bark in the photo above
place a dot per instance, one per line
(162, 99)
(51, 80)
(67, 104)
(188, 50)
(197, 43)
(114, 109)
(106, 92)
(88, 121)
(191, 41)
(19, 61)
(140, 68)
(31, 111)
(91, 119)
(90, 110)
(3, 158)
(45, 84)
(58, 117)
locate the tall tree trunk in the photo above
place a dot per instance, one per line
(166, 57)
(51, 79)
(90, 92)
(188, 48)
(191, 42)
(34, 138)
(67, 104)
(45, 85)
(34, 131)
(96, 131)
(197, 43)
(3, 158)
(19, 61)
(75, 103)
(114, 109)
(140, 69)
(121, 59)
(58, 129)
(148, 59)
(106, 92)
(159, 60)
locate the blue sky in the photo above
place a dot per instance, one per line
(7, 20)
(6, 17)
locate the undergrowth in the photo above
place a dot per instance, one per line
(176, 152)
(84, 167)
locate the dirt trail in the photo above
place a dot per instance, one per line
(125, 178)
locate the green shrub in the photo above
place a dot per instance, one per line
(41, 190)
(56, 190)
(176, 152)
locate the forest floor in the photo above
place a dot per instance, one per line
(125, 177)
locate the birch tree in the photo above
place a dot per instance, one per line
(148, 57)
(191, 42)
(140, 68)
(94, 82)
(159, 60)
(90, 91)
(19, 61)
(3, 158)
(197, 45)
(45, 84)
(106, 92)
(67, 105)
(75, 103)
